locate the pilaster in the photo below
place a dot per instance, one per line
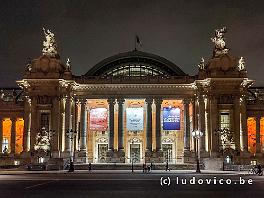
(68, 121)
(111, 103)
(186, 103)
(158, 102)
(258, 146)
(1, 134)
(149, 102)
(236, 122)
(201, 122)
(120, 102)
(13, 135)
(83, 126)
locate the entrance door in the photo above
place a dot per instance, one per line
(167, 151)
(135, 153)
(102, 149)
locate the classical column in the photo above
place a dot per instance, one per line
(73, 114)
(158, 102)
(194, 121)
(68, 122)
(1, 134)
(120, 123)
(236, 121)
(243, 112)
(258, 146)
(27, 125)
(13, 135)
(186, 103)
(34, 128)
(62, 130)
(83, 126)
(209, 133)
(74, 122)
(149, 124)
(201, 122)
(55, 124)
(214, 125)
(111, 103)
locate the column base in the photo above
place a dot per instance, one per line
(65, 154)
(258, 148)
(189, 156)
(56, 154)
(216, 154)
(259, 155)
(154, 156)
(245, 154)
(80, 157)
(115, 156)
(25, 154)
(204, 154)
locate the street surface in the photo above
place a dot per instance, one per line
(60, 184)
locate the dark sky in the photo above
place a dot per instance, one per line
(89, 31)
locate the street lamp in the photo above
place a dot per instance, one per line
(197, 135)
(71, 135)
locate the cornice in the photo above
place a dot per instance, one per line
(83, 87)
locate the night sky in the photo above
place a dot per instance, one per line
(89, 31)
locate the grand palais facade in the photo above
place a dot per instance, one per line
(133, 106)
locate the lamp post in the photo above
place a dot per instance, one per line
(71, 135)
(197, 135)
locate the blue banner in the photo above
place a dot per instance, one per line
(171, 118)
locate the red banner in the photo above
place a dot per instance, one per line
(98, 119)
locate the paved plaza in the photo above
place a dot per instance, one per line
(124, 183)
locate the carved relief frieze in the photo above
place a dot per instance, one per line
(44, 100)
(167, 140)
(102, 140)
(226, 99)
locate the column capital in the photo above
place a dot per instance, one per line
(120, 101)
(13, 118)
(200, 98)
(158, 101)
(111, 101)
(149, 100)
(82, 100)
(186, 101)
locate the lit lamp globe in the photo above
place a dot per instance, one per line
(197, 134)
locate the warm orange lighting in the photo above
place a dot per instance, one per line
(19, 135)
(7, 123)
(262, 132)
(251, 125)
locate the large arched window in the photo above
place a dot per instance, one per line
(135, 70)
(135, 64)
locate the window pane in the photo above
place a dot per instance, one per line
(7, 123)
(251, 125)
(19, 135)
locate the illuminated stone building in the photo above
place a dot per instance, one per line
(135, 106)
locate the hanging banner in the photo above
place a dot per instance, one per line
(134, 119)
(98, 119)
(171, 118)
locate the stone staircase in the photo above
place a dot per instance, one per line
(120, 166)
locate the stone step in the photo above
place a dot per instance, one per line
(136, 166)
